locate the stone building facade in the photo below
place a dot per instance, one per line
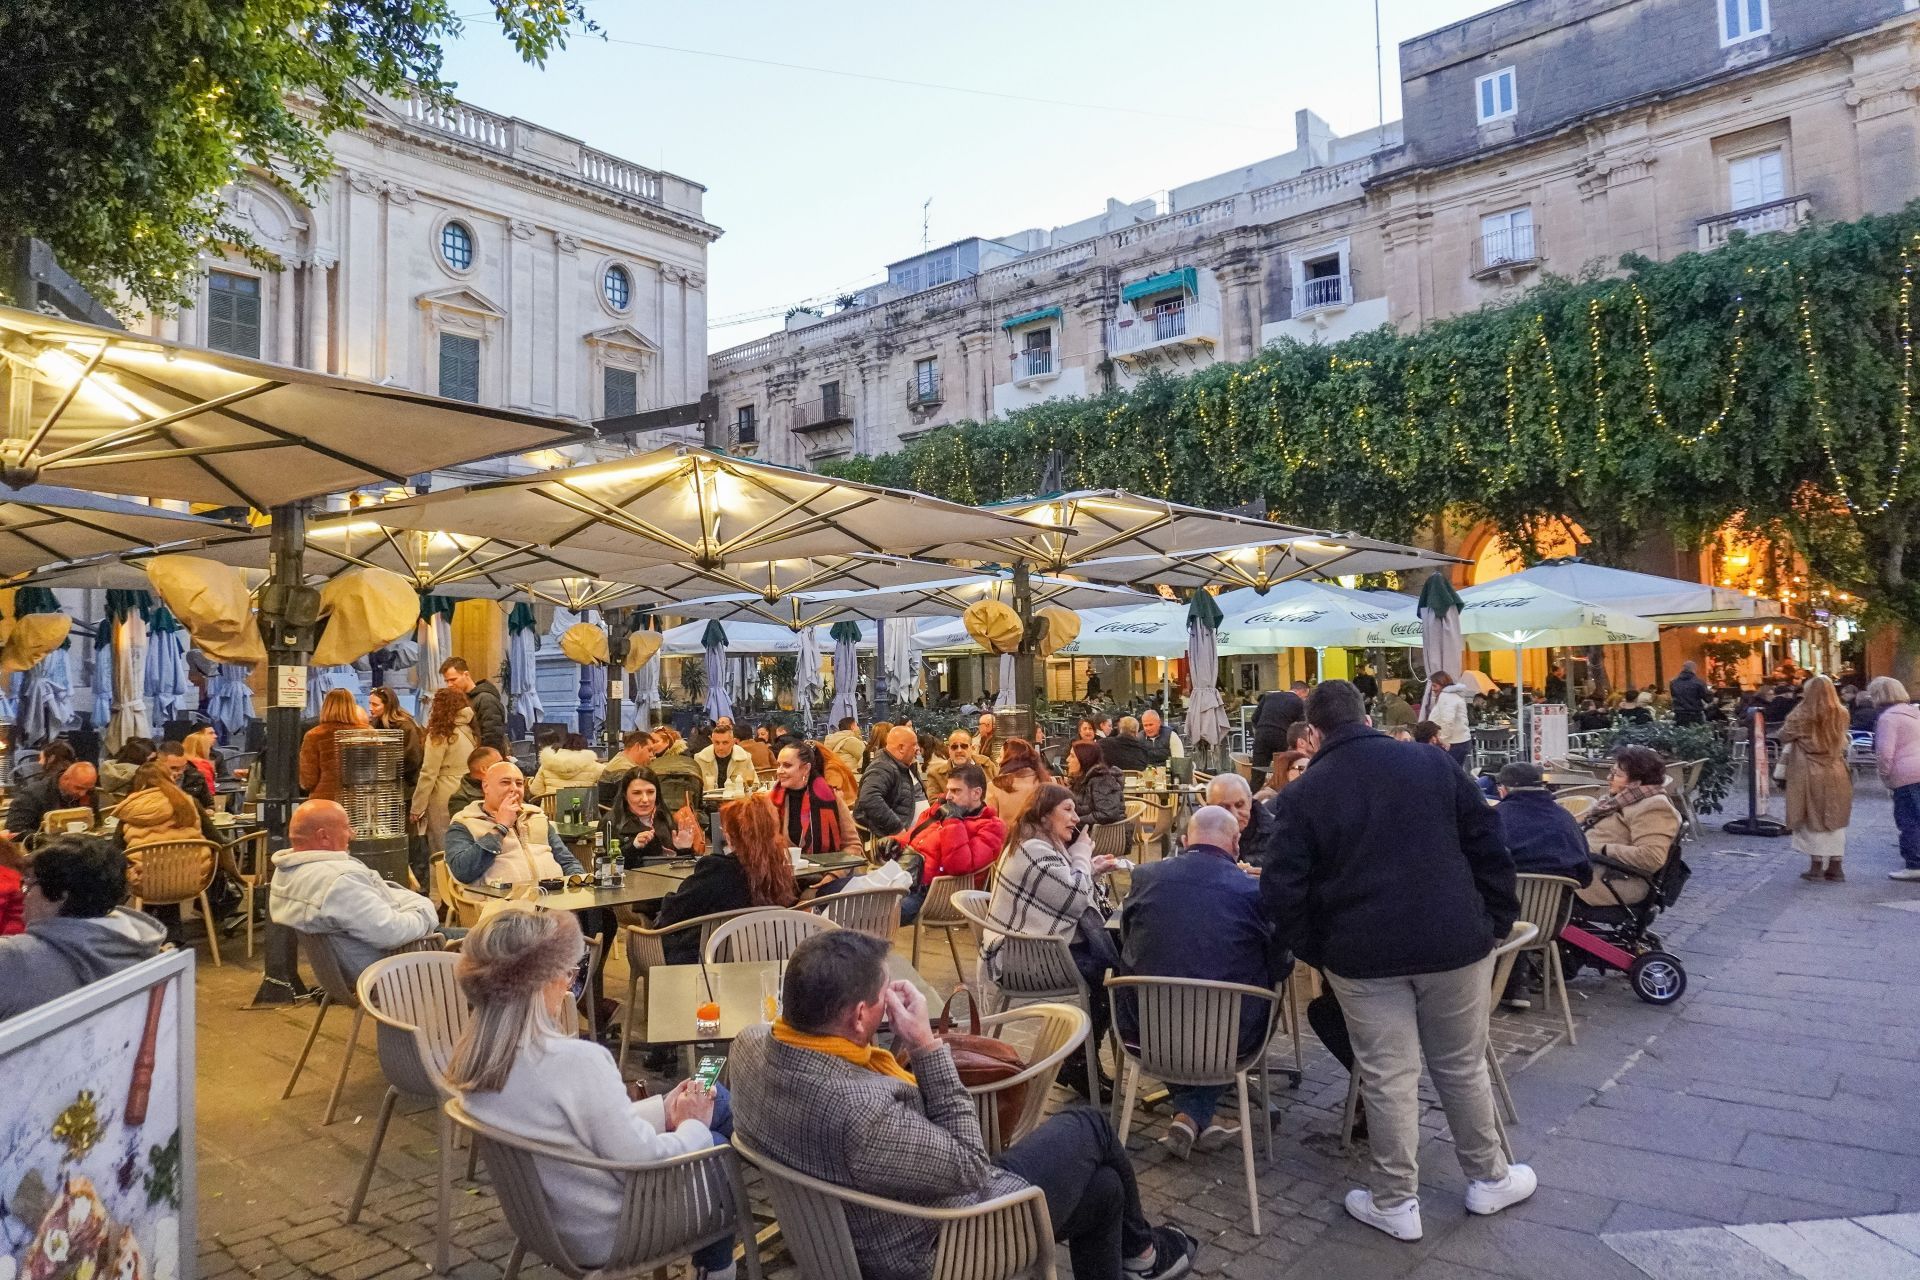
(1542, 135)
(473, 255)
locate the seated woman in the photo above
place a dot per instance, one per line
(516, 1070)
(1022, 772)
(1046, 886)
(564, 764)
(644, 830)
(1634, 826)
(157, 811)
(116, 775)
(812, 816)
(1099, 789)
(752, 871)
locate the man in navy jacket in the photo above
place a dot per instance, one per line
(1386, 868)
(1542, 838)
(1198, 916)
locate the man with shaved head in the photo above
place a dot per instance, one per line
(70, 788)
(503, 839)
(1198, 916)
(318, 887)
(890, 790)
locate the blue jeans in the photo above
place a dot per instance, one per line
(911, 904)
(1906, 816)
(714, 1256)
(1197, 1103)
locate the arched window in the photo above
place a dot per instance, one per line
(456, 245)
(617, 285)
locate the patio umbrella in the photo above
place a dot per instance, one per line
(1506, 614)
(1440, 643)
(434, 640)
(523, 685)
(229, 702)
(905, 677)
(131, 718)
(1206, 710)
(846, 671)
(45, 706)
(102, 674)
(324, 680)
(43, 525)
(1157, 630)
(1315, 615)
(713, 641)
(949, 595)
(763, 638)
(1644, 595)
(808, 682)
(166, 684)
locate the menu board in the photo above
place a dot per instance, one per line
(96, 1134)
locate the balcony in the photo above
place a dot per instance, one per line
(1503, 253)
(821, 414)
(1034, 364)
(1176, 322)
(1323, 293)
(923, 392)
(1789, 214)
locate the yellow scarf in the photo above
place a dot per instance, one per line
(872, 1058)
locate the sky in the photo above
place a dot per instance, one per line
(1006, 116)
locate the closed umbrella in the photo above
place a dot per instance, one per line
(846, 671)
(1440, 634)
(166, 686)
(713, 641)
(1009, 694)
(324, 680)
(435, 637)
(807, 682)
(45, 706)
(1206, 712)
(905, 678)
(523, 686)
(229, 701)
(102, 680)
(130, 716)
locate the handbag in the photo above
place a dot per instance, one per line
(981, 1059)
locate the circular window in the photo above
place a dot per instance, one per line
(617, 285)
(456, 245)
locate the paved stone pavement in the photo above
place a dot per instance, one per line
(1779, 1089)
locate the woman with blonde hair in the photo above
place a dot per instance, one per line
(319, 755)
(1819, 787)
(448, 741)
(1896, 750)
(516, 1069)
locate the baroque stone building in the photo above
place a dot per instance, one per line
(1542, 135)
(476, 256)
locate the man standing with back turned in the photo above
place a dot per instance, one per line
(1387, 870)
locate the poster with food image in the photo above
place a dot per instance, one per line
(96, 1132)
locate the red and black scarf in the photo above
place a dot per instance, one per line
(819, 815)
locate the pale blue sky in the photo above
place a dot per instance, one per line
(818, 178)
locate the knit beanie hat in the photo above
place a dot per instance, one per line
(487, 972)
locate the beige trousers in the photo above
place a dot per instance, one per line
(1393, 1021)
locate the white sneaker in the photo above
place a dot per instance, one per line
(1402, 1223)
(1492, 1197)
(1179, 1138)
(1905, 873)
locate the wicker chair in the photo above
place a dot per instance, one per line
(175, 871)
(420, 1013)
(1114, 839)
(1033, 967)
(937, 912)
(870, 911)
(1577, 803)
(646, 948)
(1517, 937)
(55, 821)
(1189, 1031)
(1009, 1237)
(1546, 901)
(758, 936)
(668, 1208)
(467, 905)
(1060, 1029)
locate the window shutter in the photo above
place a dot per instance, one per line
(233, 314)
(460, 367)
(620, 390)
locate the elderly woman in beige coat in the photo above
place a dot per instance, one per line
(1634, 826)
(1819, 786)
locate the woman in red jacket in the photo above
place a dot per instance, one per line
(961, 836)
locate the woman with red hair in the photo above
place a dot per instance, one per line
(751, 870)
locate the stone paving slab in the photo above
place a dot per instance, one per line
(1778, 1089)
(1877, 1248)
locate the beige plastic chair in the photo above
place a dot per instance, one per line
(467, 906)
(1189, 1031)
(759, 936)
(1058, 1030)
(336, 990)
(875, 912)
(1156, 826)
(1033, 967)
(420, 1013)
(1009, 1237)
(1546, 901)
(176, 871)
(440, 882)
(937, 912)
(1683, 781)
(646, 948)
(1114, 839)
(1517, 937)
(249, 881)
(667, 1208)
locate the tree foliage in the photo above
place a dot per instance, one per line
(125, 121)
(1770, 380)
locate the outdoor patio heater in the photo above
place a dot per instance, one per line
(373, 792)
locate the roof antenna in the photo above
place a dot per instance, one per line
(926, 225)
(1379, 67)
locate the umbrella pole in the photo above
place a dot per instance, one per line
(1520, 704)
(289, 622)
(1023, 690)
(619, 629)
(879, 699)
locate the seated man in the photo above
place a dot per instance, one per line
(1544, 840)
(890, 789)
(77, 932)
(180, 771)
(723, 760)
(959, 752)
(960, 837)
(318, 887)
(479, 760)
(1198, 916)
(1162, 743)
(1234, 793)
(814, 1092)
(71, 788)
(1126, 749)
(502, 839)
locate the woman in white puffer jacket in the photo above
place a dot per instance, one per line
(571, 764)
(1896, 749)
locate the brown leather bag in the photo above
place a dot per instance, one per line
(981, 1059)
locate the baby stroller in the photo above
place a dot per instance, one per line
(1620, 936)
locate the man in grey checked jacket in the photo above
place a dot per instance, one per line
(815, 1093)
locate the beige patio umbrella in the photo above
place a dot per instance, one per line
(45, 526)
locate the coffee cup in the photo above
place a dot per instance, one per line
(76, 828)
(798, 858)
